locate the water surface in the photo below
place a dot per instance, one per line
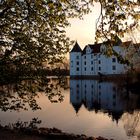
(89, 107)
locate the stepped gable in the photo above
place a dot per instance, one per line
(76, 48)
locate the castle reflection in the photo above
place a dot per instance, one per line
(104, 96)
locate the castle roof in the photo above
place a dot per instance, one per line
(76, 48)
(126, 44)
(94, 47)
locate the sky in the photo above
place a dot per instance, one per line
(83, 31)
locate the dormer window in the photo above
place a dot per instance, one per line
(88, 50)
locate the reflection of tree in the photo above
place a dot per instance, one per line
(23, 94)
(131, 123)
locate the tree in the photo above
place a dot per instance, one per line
(33, 31)
(118, 19)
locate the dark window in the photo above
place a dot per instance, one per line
(99, 68)
(85, 56)
(113, 67)
(91, 62)
(114, 96)
(85, 62)
(85, 69)
(77, 69)
(77, 91)
(99, 62)
(113, 59)
(77, 57)
(77, 86)
(77, 62)
(91, 68)
(85, 86)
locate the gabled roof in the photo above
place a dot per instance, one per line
(76, 48)
(126, 44)
(94, 47)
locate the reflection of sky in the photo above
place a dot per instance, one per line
(63, 116)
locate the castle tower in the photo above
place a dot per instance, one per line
(75, 60)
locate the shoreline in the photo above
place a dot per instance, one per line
(7, 133)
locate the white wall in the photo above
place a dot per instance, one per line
(75, 63)
(91, 63)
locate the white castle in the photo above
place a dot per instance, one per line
(92, 61)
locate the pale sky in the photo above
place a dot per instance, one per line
(84, 30)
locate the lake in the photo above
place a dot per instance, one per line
(90, 107)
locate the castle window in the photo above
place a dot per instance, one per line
(71, 63)
(113, 59)
(85, 56)
(92, 62)
(77, 62)
(91, 68)
(113, 67)
(77, 69)
(85, 69)
(99, 68)
(85, 62)
(99, 61)
(77, 57)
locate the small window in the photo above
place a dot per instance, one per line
(113, 67)
(77, 91)
(113, 59)
(71, 63)
(77, 57)
(92, 62)
(92, 56)
(91, 68)
(77, 85)
(85, 56)
(77, 63)
(99, 68)
(77, 69)
(99, 61)
(85, 62)
(85, 69)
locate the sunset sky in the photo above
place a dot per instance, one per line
(84, 30)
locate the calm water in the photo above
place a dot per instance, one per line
(89, 107)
